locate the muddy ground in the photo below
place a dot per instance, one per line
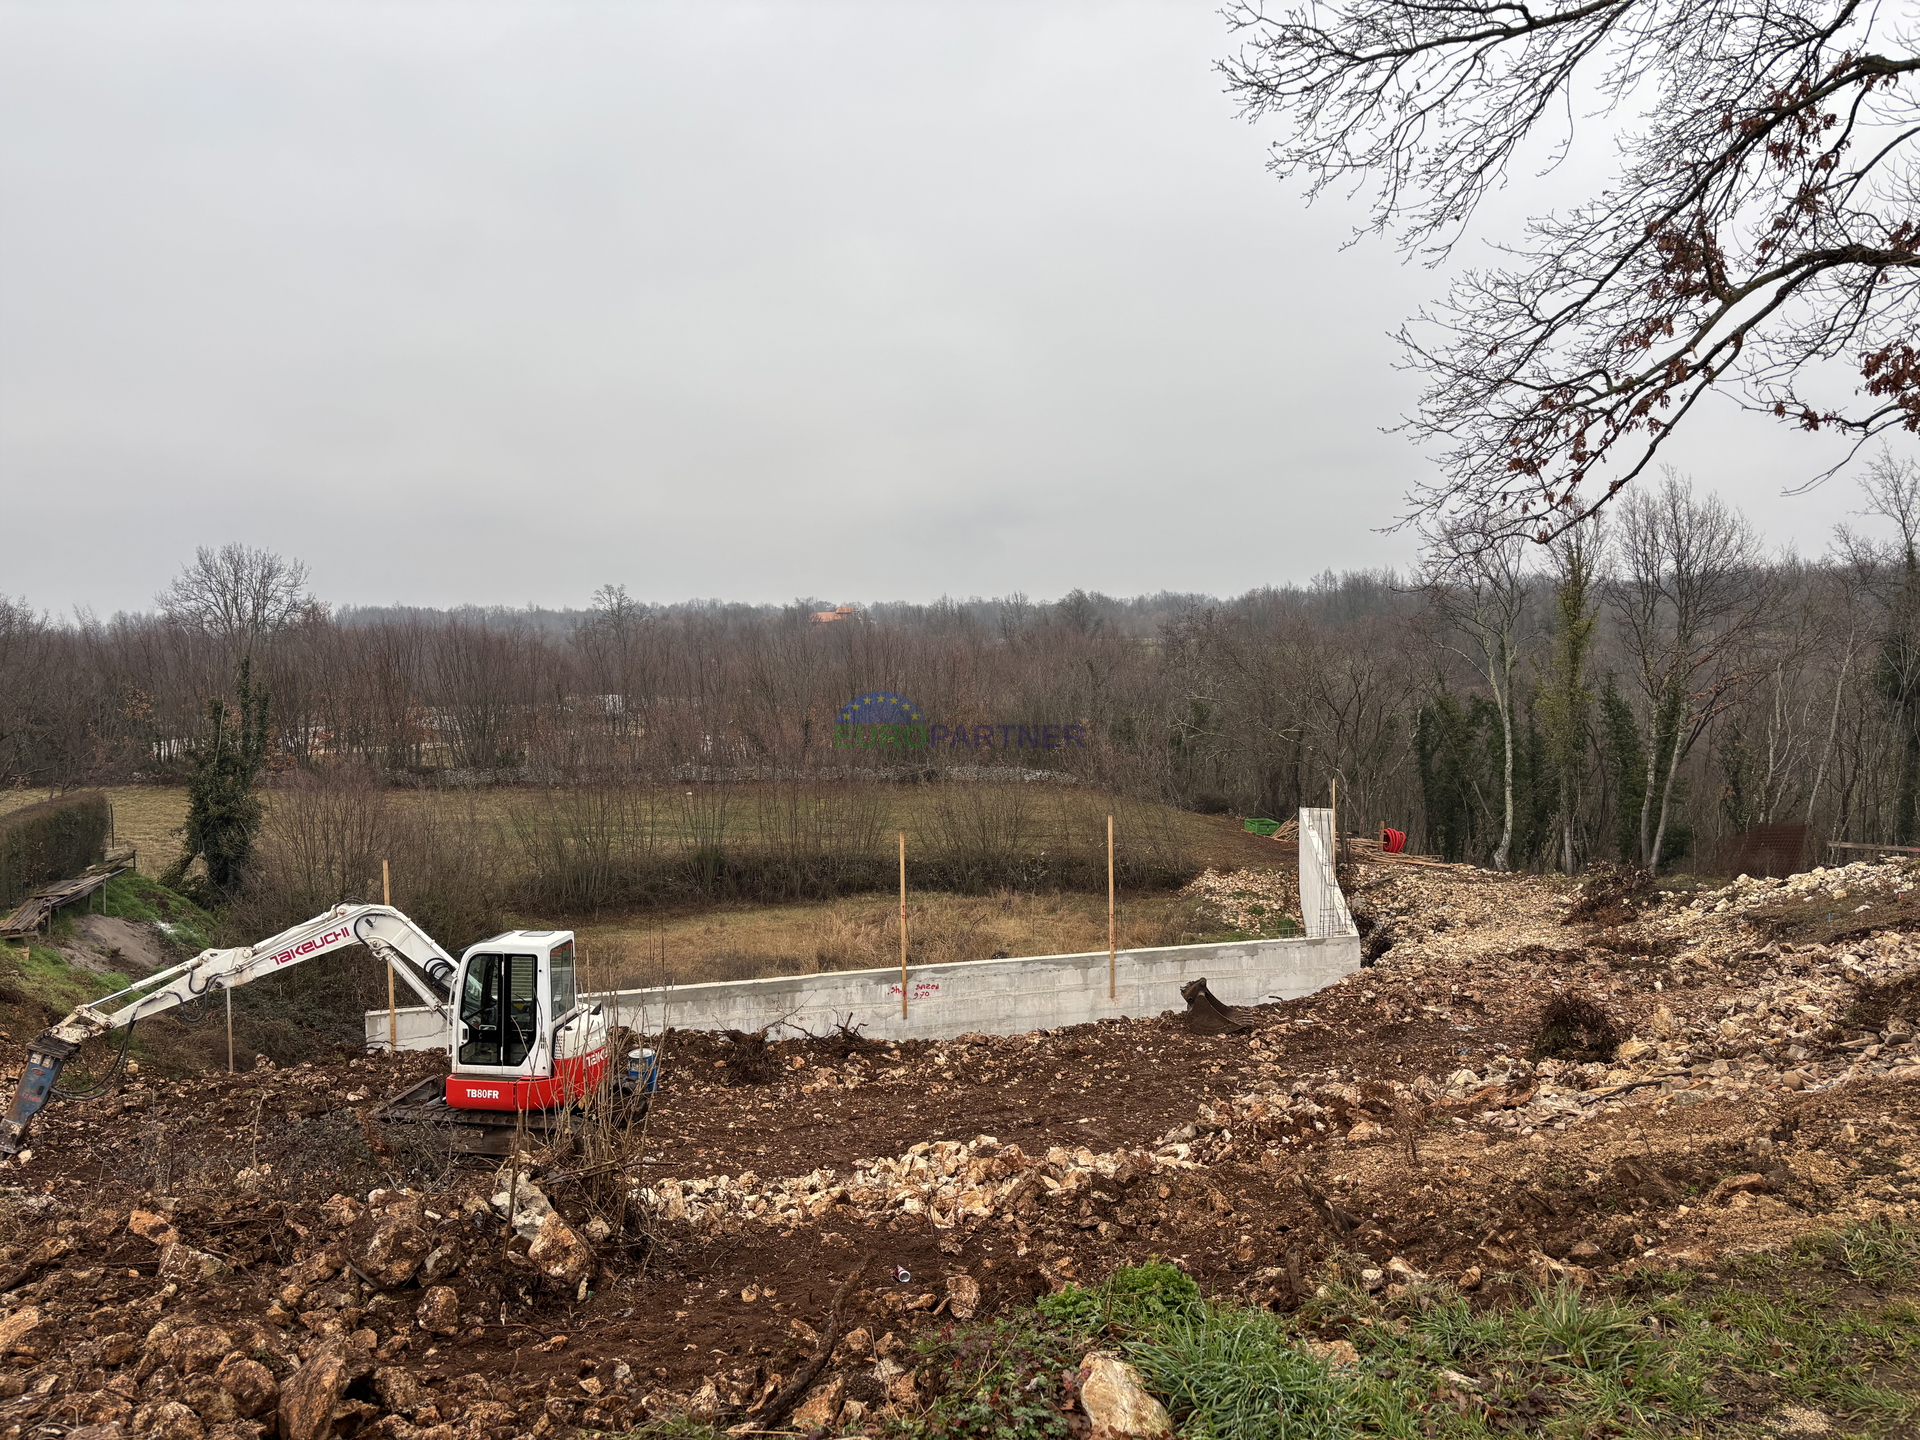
(250, 1254)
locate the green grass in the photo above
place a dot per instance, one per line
(1686, 1354)
(37, 972)
(139, 897)
(44, 974)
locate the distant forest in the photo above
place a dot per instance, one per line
(1639, 691)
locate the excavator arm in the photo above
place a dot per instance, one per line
(427, 969)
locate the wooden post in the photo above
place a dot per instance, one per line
(903, 924)
(1113, 954)
(393, 1010)
(229, 1027)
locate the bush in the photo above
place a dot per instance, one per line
(54, 840)
(1575, 1027)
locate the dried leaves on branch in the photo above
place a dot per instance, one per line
(1759, 234)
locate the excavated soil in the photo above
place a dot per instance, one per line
(237, 1255)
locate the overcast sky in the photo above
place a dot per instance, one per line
(495, 303)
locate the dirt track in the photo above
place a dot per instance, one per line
(1396, 1118)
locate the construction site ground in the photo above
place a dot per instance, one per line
(1532, 1083)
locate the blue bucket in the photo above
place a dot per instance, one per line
(643, 1071)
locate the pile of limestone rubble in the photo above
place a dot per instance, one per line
(1778, 1025)
(947, 1181)
(102, 1354)
(1254, 901)
(1743, 1016)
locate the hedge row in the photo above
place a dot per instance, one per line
(54, 840)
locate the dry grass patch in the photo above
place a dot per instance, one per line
(863, 932)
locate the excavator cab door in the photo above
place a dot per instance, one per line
(499, 1012)
(521, 1039)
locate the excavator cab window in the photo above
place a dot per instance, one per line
(560, 966)
(500, 1009)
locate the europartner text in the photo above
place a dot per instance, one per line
(904, 736)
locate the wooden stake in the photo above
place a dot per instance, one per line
(903, 924)
(229, 1028)
(1113, 983)
(393, 1009)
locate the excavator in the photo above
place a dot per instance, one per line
(525, 1048)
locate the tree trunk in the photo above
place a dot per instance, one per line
(1502, 855)
(1833, 730)
(1903, 815)
(1646, 800)
(1666, 801)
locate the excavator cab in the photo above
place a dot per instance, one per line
(521, 1038)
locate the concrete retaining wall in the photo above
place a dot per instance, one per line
(998, 997)
(1323, 909)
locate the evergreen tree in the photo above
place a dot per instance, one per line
(1565, 701)
(1740, 797)
(1536, 800)
(223, 813)
(1460, 752)
(1626, 759)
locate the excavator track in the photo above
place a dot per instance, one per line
(500, 1132)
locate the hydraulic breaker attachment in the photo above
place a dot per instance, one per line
(45, 1057)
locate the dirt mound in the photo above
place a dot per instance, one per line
(107, 943)
(190, 1259)
(1878, 1006)
(1611, 895)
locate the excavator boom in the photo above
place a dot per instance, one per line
(427, 969)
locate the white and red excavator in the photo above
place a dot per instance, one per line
(524, 1047)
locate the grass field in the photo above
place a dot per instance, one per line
(743, 942)
(149, 816)
(1814, 1342)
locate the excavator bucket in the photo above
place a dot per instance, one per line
(1207, 1015)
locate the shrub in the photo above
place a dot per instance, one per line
(54, 840)
(589, 848)
(322, 845)
(1575, 1027)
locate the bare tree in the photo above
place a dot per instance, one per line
(1688, 601)
(1762, 222)
(1891, 574)
(238, 595)
(1479, 588)
(614, 639)
(1842, 619)
(24, 661)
